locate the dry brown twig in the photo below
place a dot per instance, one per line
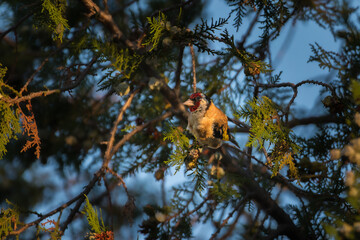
(193, 66)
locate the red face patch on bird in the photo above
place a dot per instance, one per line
(195, 101)
(193, 108)
(195, 95)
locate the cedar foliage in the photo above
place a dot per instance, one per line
(9, 123)
(88, 50)
(268, 129)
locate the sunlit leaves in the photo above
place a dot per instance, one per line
(9, 219)
(55, 11)
(266, 127)
(157, 27)
(98, 228)
(182, 145)
(252, 66)
(9, 117)
(123, 65)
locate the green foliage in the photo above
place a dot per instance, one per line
(274, 15)
(198, 172)
(9, 219)
(155, 229)
(182, 145)
(9, 126)
(355, 89)
(57, 23)
(204, 32)
(9, 118)
(157, 27)
(128, 128)
(261, 114)
(5, 89)
(93, 218)
(123, 63)
(326, 59)
(2, 72)
(266, 126)
(251, 65)
(223, 191)
(183, 154)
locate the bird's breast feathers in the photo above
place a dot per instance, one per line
(209, 125)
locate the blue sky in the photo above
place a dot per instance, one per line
(292, 60)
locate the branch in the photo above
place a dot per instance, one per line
(107, 156)
(185, 215)
(263, 199)
(243, 128)
(136, 130)
(238, 208)
(168, 93)
(285, 182)
(193, 66)
(104, 168)
(171, 8)
(24, 88)
(313, 120)
(3, 34)
(294, 88)
(17, 99)
(82, 76)
(81, 197)
(96, 177)
(250, 29)
(107, 20)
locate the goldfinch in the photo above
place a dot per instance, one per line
(206, 122)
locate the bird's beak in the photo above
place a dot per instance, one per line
(189, 103)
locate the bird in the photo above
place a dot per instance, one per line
(206, 122)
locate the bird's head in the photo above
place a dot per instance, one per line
(197, 101)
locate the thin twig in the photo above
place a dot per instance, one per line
(24, 88)
(193, 66)
(107, 156)
(121, 180)
(233, 225)
(295, 90)
(178, 71)
(225, 221)
(17, 99)
(96, 177)
(81, 77)
(3, 34)
(250, 28)
(186, 214)
(81, 198)
(126, 137)
(107, 20)
(171, 8)
(108, 191)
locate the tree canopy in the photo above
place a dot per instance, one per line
(91, 97)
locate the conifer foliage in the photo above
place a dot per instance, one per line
(91, 96)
